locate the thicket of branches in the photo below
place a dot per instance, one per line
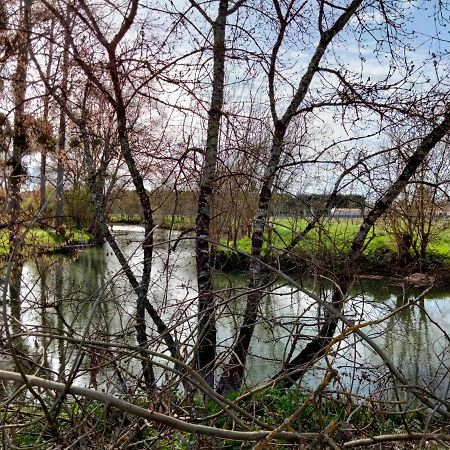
(216, 109)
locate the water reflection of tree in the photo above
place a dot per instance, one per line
(14, 285)
(66, 288)
(21, 349)
(78, 284)
(87, 272)
(39, 308)
(408, 341)
(47, 321)
(59, 298)
(285, 315)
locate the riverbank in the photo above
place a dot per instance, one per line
(325, 249)
(391, 273)
(358, 401)
(39, 241)
(177, 223)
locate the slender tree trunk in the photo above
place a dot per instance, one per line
(96, 230)
(19, 134)
(206, 341)
(144, 199)
(234, 372)
(43, 179)
(141, 334)
(118, 103)
(61, 151)
(43, 167)
(59, 194)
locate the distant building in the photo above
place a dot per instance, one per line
(310, 205)
(348, 213)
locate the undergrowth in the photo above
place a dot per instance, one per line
(101, 426)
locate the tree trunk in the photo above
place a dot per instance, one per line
(19, 139)
(43, 167)
(59, 189)
(234, 371)
(43, 179)
(97, 198)
(118, 103)
(206, 340)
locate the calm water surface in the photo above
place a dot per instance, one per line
(87, 295)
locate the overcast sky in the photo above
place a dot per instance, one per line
(428, 44)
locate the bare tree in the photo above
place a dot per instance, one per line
(19, 140)
(206, 302)
(59, 189)
(316, 347)
(234, 373)
(119, 104)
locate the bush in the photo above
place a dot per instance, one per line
(78, 208)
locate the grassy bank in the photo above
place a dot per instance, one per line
(125, 218)
(46, 241)
(331, 242)
(180, 223)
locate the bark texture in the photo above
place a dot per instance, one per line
(19, 139)
(206, 343)
(44, 150)
(59, 189)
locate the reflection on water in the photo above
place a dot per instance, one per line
(87, 296)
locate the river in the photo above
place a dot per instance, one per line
(61, 295)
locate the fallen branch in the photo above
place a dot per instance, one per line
(164, 419)
(397, 438)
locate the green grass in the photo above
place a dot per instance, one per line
(442, 244)
(334, 237)
(274, 405)
(178, 222)
(38, 239)
(125, 218)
